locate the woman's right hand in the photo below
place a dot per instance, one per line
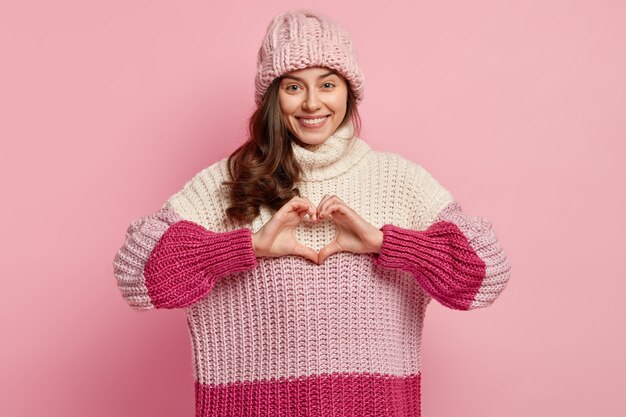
(277, 237)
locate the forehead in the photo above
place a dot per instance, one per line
(311, 73)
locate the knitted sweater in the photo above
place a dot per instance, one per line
(283, 336)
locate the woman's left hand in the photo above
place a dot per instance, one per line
(354, 234)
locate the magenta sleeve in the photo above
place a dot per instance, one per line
(188, 259)
(458, 260)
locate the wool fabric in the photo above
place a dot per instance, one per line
(283, 336)
(299, 39)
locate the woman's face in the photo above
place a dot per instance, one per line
(313, 103)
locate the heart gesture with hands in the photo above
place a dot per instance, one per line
(354, 234)
(277, 237)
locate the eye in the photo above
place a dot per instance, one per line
(288, 88)
(328, 85)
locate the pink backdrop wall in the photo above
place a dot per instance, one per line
(108, 108)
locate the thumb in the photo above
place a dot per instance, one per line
(306, 252)
(328, 250)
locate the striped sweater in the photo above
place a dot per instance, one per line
(284, 336)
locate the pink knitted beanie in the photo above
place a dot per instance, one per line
(300, 39)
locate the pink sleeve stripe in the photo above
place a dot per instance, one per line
(483, 240)
(188, 260)
(142, 236)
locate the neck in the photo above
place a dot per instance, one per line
(335, 156)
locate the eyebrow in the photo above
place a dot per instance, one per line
(321, 76)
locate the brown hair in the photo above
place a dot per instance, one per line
(263, 170)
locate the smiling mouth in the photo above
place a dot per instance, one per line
(312, 121)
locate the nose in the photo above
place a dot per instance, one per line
(311, 101)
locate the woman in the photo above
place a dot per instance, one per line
(305, 260)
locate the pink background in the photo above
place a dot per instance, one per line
(108, 108)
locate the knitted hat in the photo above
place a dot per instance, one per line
(300, 39)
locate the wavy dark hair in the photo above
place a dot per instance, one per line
(263, 170)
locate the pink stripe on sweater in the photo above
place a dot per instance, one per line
(142, 236)
(291, 317)
(341, 395)
(188, 259)
(483, 240)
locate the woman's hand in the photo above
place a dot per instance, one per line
(354, 234)
(277, 237)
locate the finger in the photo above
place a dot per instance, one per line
(305, 202)
(298, 205)
(311, 210)
(290, 209)
(327, 250)
(321, 204)
(334, 207)
(325, 201)
(306, 252)
(326, 197)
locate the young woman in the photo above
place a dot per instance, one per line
(305, 260)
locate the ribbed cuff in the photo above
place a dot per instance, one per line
(398, 248)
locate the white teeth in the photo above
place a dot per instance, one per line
(313, 121)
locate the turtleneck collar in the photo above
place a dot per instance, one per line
(336, 155)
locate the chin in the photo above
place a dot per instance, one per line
(311, 139)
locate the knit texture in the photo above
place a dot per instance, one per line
(299, 39)
(186, 263)
(286, 337)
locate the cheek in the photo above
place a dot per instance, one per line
(339, 104)
(287, 106)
